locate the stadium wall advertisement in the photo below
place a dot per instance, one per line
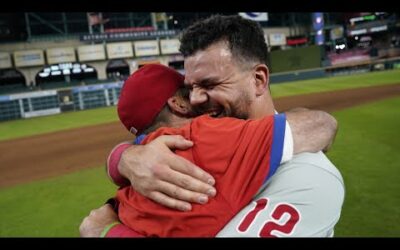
(169, 46)
(147, 48)
(128, 36)
(91, 53)
(60, 55)
(119, 50)
(28, 58)
(277, 39)
(5, 60)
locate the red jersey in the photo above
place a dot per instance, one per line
(239, 154)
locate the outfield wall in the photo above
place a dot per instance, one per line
(49, 102)
(343, 69)
(296, 59)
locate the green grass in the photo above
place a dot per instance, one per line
(335, 83)
(54, 207)
(366, 151)
(46, 124)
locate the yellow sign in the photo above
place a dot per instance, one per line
(119, 50)
(60, 55)
(91, 53)
(28, 58)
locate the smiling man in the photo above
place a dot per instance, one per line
(225, 64)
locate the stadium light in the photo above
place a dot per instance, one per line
(89, 70)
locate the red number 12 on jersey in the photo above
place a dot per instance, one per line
(271, 224)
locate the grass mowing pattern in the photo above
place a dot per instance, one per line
(366, 151)
(54, 207)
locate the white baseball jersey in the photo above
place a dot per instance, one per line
(303, 199)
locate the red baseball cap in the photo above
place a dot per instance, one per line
(145, 93)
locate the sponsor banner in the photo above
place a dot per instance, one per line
(277, 39)
(60, 55)
(41, 112)
(147, 48)
(255, 16)
(33, 94)
(170, 46)
(5, 60)
(28, 58)
(97, 87)
(91, 53)
(128, 36)
(119, 50)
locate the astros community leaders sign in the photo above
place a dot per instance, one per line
(128, 36)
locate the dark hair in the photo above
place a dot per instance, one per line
(245, 37)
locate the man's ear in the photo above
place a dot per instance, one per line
(178, 106)
(261, 75)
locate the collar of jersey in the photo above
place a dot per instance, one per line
(138, 140)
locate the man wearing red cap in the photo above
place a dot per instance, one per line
(240, 154)
(225, 64)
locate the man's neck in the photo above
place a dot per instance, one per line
(262, 107)
(177, 121)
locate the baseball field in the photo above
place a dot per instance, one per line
(52, 168)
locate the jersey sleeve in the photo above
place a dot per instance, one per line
(287, 153)
(303, 199)
(112, 164)
(114, 158)
(282, 143)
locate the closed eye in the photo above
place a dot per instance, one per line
(210, 87)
